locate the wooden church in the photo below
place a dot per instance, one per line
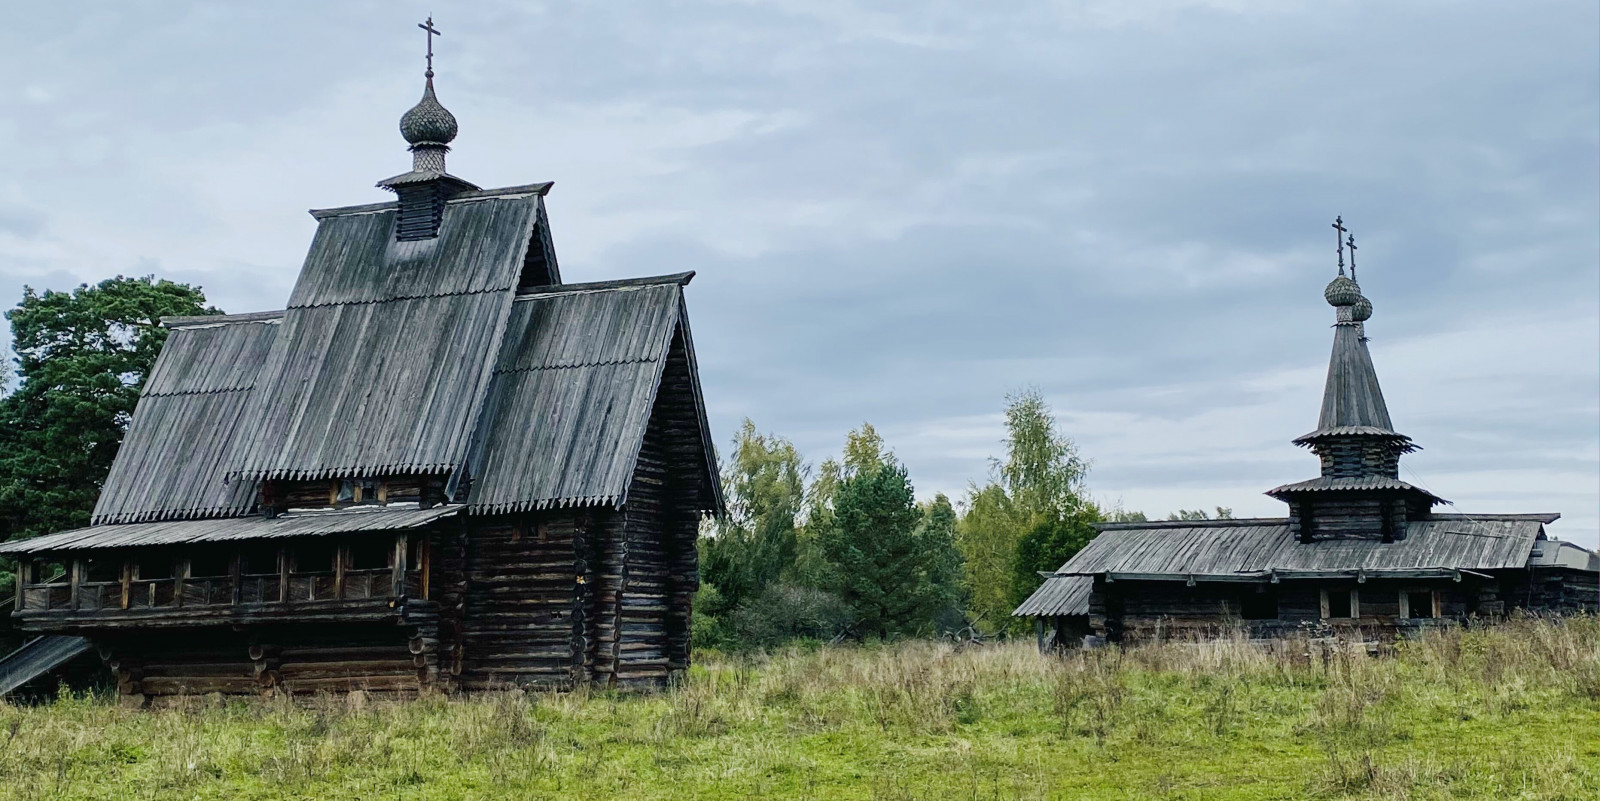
(1360, 551)
(439, 467)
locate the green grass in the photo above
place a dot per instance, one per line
(1507, 712)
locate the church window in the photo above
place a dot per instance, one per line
(1340, 605)
(1418, 604)
(358, 490)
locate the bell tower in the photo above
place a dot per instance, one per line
(1359, 492)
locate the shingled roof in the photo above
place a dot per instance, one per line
(385, 352)
(410, 357)
(1352, 397)
(573, 390)
(1259, 548)
(175, 455)
(186, 532)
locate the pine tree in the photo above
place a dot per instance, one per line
(892, 563)
(82, 359)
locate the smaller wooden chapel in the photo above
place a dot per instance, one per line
(1360, 551)
(439, 467)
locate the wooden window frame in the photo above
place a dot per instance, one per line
(358, 492)
(1355, 604)
(1433, 598)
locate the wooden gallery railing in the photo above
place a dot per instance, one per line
(72, 592)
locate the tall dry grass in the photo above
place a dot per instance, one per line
(1328, 719)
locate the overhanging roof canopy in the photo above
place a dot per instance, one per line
(1260, 547)
(189, 532)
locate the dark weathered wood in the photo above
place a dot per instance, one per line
(452, 368)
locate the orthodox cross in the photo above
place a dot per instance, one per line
(1338, 238)
(1351, 241)
(432, 32)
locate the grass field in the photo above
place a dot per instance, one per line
(1508, 712)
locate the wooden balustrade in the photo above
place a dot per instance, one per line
(72, 593)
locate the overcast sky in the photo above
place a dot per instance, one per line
(900, 213)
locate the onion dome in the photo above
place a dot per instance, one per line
(1361, 310)
(428, 123)
(1342, 291)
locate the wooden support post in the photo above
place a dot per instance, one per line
(180, 570)
(283, 575)
(398, 577)
(341, 556)
(24, 578)
(236, 575)
(425, 562)
(127, 581)
(74, 578)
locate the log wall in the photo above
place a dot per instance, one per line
(510, 601)
(157, 667)
(650, 569)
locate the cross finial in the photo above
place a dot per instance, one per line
(1351, 241)
(432, 32)
(1338, 237)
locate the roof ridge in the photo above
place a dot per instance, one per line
(680, 279)
(1229, 522)
(1542, 517)
(206, 320)
(216, 391)
(506, 192)
(398, 298)
(577, 366)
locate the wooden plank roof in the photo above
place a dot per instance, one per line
(1059, 596)
(386, 350)
(1330, 484)
(1262, 547)
(175, 456)
(373, 388)
(384, 364)
(1351, 397)
(355, 258)
(573, 391)
(184, 532)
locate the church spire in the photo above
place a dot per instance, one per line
(1351, 397)
(428, 128)
(1359, 492)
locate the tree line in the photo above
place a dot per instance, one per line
(849, 552)
(840, 551)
